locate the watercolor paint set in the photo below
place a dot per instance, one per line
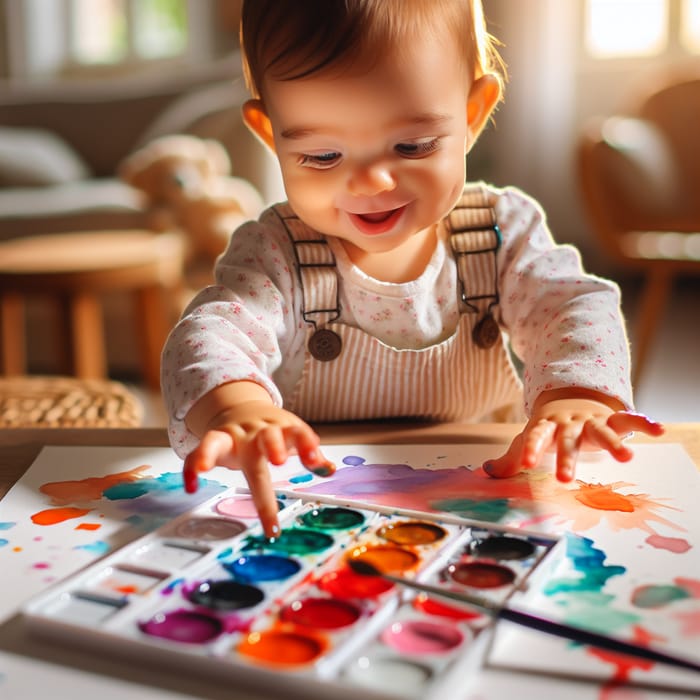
(208, 592)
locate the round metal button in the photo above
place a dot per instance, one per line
(486, 332)
(325, 345)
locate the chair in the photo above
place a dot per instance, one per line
(639, 175)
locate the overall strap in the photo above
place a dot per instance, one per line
(475, 239)
(319, 282)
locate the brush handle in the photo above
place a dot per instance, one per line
(602, 641)
(558, 629)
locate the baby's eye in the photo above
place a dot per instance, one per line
(417, 149)
(320, 161)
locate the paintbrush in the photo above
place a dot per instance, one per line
(520, 617)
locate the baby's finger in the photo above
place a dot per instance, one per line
(568, 446)
(257, 475)
(536, 440)
(626, 421)
(271, 442)
(306, 442)
(205, 456)
(507, 464)
(597, 433)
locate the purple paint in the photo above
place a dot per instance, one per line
(184, 626)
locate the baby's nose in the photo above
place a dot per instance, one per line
(371, 179)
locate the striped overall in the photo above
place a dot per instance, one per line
(455, 379)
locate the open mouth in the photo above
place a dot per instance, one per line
(377, 221)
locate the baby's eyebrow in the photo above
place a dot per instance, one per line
(423, 119)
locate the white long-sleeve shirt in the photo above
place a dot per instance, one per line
(564, 325)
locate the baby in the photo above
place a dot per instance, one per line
(385, 286)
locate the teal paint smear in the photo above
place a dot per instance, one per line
(98, 548)
(582, 599)
(589, 562)
(657, 596)
(492, 511)
(225, 553)
(3, 541)
(7, 526)
(301, 478)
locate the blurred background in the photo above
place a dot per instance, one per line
(600, 123)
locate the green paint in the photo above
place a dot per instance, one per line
(292, 541)
(581, 595)
(332, 518)
(658, 596)
(491, 511)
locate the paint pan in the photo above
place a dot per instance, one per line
(210, 593)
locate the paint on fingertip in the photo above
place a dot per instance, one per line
(324, 469)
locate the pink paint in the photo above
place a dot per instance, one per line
(419, 637)
(237, 508)
(41, 565)
(677, 545)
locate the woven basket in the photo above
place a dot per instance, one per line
(66, 402)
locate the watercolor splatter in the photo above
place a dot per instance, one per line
(525, 500)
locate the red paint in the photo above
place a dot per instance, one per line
(430, 606)
(88, 526)
(344, 584)
(478, 574)
(52, 516)
(320, 613)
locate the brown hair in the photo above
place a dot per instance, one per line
(289, 40)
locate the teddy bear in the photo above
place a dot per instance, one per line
(187, 186)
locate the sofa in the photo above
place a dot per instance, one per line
(60, 146)
(59, 152)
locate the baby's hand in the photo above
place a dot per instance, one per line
(249, 436)
(569, 425)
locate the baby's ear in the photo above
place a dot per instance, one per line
(483, 98)
(256, 119)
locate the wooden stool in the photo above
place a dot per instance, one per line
(67, 402)
(73, 270)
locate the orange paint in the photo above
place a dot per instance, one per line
(88, 526)
(602, 497)
(387, 559)
(91, 489)
(52, 516)
(282, 648)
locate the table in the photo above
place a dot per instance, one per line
(118, 681)
(73, 271)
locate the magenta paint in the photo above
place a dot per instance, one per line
(422, 637)
(187, 626)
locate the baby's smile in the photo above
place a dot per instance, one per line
(377, 221)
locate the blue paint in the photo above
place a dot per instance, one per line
(7, 526)
(354, 461)
(3, 541)
(168, 590)
(98, 547)
(301, 478)
(254, 568)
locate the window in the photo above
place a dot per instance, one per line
(640, 28)
(115, 31)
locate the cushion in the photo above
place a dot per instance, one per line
(37, 158)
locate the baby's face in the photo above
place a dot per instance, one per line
(374, 158)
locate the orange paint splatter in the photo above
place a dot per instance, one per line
(52, 516)
(126, 590)
(602, 497)
(16, 549)
(91, 489)
(88, 526)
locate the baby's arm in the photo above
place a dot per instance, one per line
(241, 428)
(569, 420)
